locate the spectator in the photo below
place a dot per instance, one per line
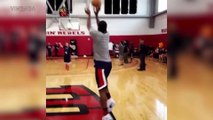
(131, 51)
(142, 51)
(121, 53)
(126, 49)
(49, 50)
(56, 48)
(162, 52)
(116, 50)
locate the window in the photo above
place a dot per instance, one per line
(161, 5)
(54, 5)
(120, 6)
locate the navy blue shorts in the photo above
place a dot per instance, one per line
(102, 71)
(67, 59)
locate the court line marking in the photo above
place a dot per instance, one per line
(62, 110)
(58, 96)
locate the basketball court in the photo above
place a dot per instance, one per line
(67, 81)
(73, 94)
(138, 95)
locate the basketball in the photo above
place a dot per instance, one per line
(96, 3)
(160, 45)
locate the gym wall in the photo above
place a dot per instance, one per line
(121, 27)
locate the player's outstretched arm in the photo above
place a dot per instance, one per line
(60, 45)
(96, 11)
(87, 11)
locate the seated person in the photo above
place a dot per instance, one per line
(116, 50)
(159, 52)
(163, 55)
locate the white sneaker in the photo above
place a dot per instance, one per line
(110, 104)
(107, 117)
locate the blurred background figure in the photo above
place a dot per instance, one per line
(126, 50)
(121, 53)
(56, 49)
(49, 50)
(116, 50)
(174, 43)
(131, 51)
(203, 44)
(36, 44)
(162, 52)
(2, 41)
(142, 52)
(15, 39)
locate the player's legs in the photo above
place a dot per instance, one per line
(121, 59)
(34, 61)
(131, 54)
(67, 61)
(67, 67)
(102, 86)
(101, 78)
(56, 53)
(142, 62)
(103, 98)
(110, 102)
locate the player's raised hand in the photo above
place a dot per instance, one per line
(87, 11)
(60, 44)
(96, 10)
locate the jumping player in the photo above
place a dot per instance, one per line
(102, 61)
(67, 52)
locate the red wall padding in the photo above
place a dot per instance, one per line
(21, 26)
(189, 26)
(85, 46)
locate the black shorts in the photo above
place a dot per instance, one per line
(102, 71)
(49, 54)
(33, 57)
(67, 59)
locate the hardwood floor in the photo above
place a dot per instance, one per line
(138, 95)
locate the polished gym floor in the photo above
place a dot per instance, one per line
(73, 94)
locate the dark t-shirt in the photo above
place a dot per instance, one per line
(35, 45)
(131, 49)
(143, 49)
(125, 48)
(49, 48)
(56, 47)
(67, 52)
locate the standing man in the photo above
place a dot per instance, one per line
(102, 61)
(131, 51)
(49, 50)
(121, 53)
(142, 51)
(126, 52)
(56, 49)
